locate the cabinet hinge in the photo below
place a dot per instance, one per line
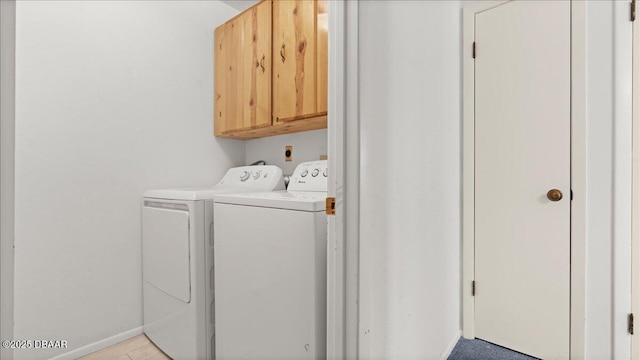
(630, 324)
(473, 50)
(633, 10)
(473, 288)
(331, 206)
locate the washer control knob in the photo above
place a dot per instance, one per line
(324, 173)
(244, 175)
(304, 173)
(315, 172)
(256, 175)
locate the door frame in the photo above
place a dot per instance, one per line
(7, 169)
(635, 199)
(578, 171)
(335, 224)
(343, 252)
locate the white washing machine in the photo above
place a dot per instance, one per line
(271, 264)
(177, 260)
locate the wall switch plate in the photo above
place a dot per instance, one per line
(288, 153)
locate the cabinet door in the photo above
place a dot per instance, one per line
(322, 49)
(295, 66)
(243, 71)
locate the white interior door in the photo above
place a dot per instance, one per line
(522, 150)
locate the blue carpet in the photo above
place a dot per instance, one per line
(477, 349)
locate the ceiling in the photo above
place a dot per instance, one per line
(240, 5)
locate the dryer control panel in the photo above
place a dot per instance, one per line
(257, 177)
(309, 176)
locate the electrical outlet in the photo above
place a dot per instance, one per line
(288, 153)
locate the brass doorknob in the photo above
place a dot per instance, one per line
(554, 195)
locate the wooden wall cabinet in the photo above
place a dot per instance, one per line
(271, 70)
(242, 73)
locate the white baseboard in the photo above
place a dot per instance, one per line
(449, 348)
(99, 345)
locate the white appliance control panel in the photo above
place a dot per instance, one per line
(259, 177)
(309, 176)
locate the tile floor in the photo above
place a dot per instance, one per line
(137, 348)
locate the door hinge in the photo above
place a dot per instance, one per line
(630, 324)
(570, 194)
(473, 50)
(331, 206)
(633, 10)
(473, 288)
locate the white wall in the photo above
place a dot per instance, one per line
(112, 98)
(7, 126)
(410, 97)
(307, 146)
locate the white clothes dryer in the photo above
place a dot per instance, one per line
(177, 261)
(270, 270)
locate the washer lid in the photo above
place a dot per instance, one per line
(194, 193)
(298, 200)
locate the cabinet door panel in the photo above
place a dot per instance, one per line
(263, 64)
(255, 94)
(243, 83)
(294, 47)
(322, 50)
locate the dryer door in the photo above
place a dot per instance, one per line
(165, 249)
